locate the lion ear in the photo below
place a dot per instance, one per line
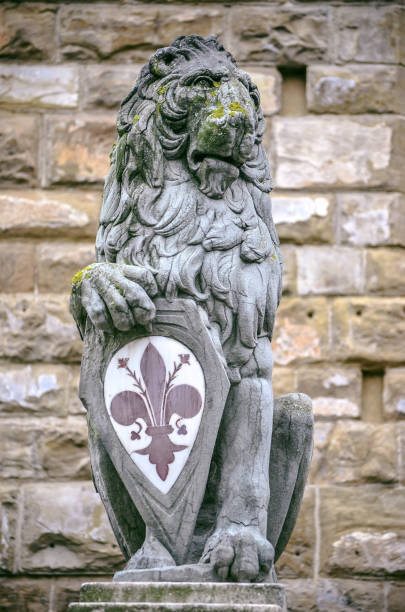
(163, 61)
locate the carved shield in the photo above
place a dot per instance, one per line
(155, 400)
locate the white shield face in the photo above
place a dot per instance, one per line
(154, 391)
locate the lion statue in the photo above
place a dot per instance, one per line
(187, 213)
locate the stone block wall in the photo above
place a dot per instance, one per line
(332, 80)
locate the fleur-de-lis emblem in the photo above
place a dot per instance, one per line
(155, 400)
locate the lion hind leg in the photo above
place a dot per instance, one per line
(290, 460)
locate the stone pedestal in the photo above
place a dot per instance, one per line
(176, 596)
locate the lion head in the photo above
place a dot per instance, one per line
(190, 103)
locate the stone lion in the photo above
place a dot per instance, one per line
(187, 213)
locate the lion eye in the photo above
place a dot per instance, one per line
(203, 81)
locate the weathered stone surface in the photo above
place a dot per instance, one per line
(25, 595)
(329, 270)
(338, 151)
(372, 35)
(280, 35)
(39, 86)
(66, 530)
(297, 559)
(106, 86)
(362, 551)
(17, 269)
(301, 595)
(349, 596)
(269, 85)
(27, 31)
(33, 448)
(385, 271)
(368, 329)
(130, 33)
(356, 89)
(43, 389)
(79, 148)
(371, 509)
(19, 148)
(67, 590)
(288, 253)
(9, 502)
(63, 450)
(301, 334)
(303, 218)
(49, 213)
(38, 328)
(372, 218)
(396, 597)
(58, 262)
(394, 393)
(283, 381)
(335, 390)
(350, 452)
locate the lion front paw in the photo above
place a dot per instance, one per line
(240, 553)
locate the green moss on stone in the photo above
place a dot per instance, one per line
(135, 119)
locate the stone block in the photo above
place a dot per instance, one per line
(372, 35)
(66, 530)
(385, 271)
(396, 597)
(301, 331)
(368, 329)
(372, 218)
(363, 530)
(350, 452)
(129, 33)
(297, 559)
(289, 269)
(283, 381)
(27, 31)
(105, 86)
(39, 86)
(335, 390)
(49, 213)
(275, 35)
(394, 393)
(58, 262)
(17, 449)
(269, 85)
(25, 595)
(303, 218)
(43, 389)
(350, 596)
(336, 151)
(17, 266)
(301, 595)
(356, 88)
(329, 270)
(62, 449)
(19, 136)
(37, 449)
(9, 507)
(38, 328)
(79, 148)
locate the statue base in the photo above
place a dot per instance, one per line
(181, 596)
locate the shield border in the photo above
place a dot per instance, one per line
(170, 516)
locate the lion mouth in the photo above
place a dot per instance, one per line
(215, 175)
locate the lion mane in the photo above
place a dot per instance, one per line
(154, 213)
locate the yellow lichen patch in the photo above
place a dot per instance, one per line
(217, 113)
(217, 84)
(236, 107)
(162, 89)
(135, 119)
(78, 277)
